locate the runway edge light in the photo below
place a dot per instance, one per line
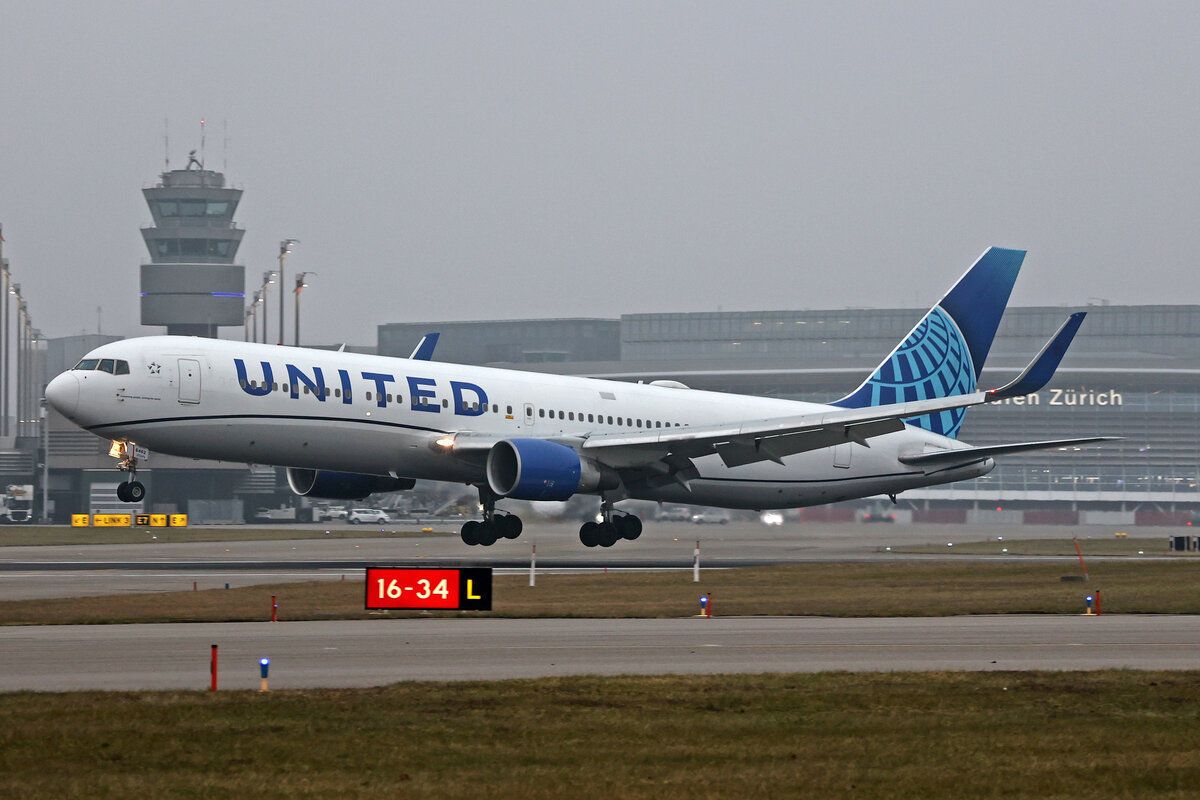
(264, 665)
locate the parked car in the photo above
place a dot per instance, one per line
(675, 514)
(710, 518)
(358, 515)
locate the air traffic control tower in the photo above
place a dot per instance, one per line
(191, 284)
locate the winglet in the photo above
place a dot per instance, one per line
(424, 349)
(1041, 369)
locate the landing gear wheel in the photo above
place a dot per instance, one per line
(468, 532)
(606, 534)
(135, 492)
(123, 492)
(510, 525)
(487, 533)
(587, 534)
(628, 526)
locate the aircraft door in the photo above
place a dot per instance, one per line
(189, 380)
(841, 455)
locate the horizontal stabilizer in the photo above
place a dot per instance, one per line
(1041, 369)
(967, 455)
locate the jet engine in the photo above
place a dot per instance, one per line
(342, 485)
(536, 469)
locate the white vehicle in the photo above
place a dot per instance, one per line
(358, 515)
(711, 517)
(16, 503)
(674, 514)
(346, 425)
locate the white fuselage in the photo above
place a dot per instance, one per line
(359, 413)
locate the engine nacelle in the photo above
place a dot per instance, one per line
(342, 485)
(535, 469)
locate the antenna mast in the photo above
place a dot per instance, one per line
(201, 144)
(166, 144)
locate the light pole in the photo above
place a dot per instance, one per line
(15, 291)
(300, 286)
(253, 314)
(4, 345)
(268, 279)
(285, 247)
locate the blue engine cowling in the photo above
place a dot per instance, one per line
(342, 485)
(536, 469)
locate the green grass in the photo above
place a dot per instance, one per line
(24, 536)
(899, 735)
(844, 590)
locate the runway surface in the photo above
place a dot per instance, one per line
(378, 652)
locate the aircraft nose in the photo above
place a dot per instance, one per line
(63, 394)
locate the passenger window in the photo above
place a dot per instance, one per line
(658, 424)
(542, 413)
(620, 420)
(327, 391)
(242, 382)
(445, 404)
(495, 408)
(306, 388)
(368, 396)
(639, 423)
(590, 419)
(528, 411)
(508, 409)
(337, 392)
(571, 416)
(610, 420)
(274, 386)
(122, 368)
(562, 415)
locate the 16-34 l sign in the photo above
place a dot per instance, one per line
(422, 588)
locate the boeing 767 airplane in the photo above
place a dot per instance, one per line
(346, 425)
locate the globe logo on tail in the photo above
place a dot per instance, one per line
(932, 362)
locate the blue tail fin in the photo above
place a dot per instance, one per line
(944, 354)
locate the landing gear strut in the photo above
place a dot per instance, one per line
(616, 525)
(496, 525)
(132, 490)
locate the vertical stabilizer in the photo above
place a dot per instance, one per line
(944, 354)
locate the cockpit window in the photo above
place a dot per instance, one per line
(113, 366)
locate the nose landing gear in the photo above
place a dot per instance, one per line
(132, 490)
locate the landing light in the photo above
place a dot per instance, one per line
(445, 443)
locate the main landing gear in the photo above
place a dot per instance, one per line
(496, 525)
(616, 526)
(132, 490)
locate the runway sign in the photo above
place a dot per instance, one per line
(422, 588)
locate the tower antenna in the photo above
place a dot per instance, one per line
(225, 146)
(201, 144)
(166, 144)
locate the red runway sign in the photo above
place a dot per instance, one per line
(421, 588)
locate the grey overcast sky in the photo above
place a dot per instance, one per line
(460, 160)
